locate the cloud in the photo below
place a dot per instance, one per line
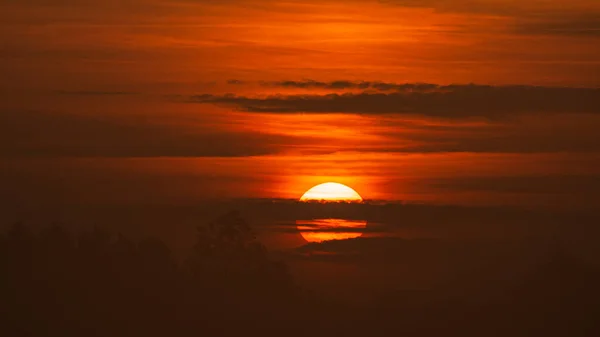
(566, 184)
(582, 25)
(96, 93)
(451, 101)
(226, 134)
(460, 6)
(526, 134)
(532, 17)
(43, 134)
(337, 85)
(235, 82)
(511, 8)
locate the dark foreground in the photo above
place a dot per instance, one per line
(55, 283)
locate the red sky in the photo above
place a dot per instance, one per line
(467, 101)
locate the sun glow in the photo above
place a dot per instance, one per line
(331, 192)
(319, 230)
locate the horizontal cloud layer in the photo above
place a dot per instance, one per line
(451, 101)
(44, 134)
(581, 25)
(382, 86)
(378, 119)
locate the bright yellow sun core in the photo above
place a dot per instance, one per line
(331, 192)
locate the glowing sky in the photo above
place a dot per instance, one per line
(466, 101)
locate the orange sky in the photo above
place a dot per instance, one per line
(199, 98)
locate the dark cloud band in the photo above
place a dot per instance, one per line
(451, 101)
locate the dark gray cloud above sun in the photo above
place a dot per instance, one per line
(451, 101)
(345, 84)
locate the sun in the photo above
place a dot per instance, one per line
(319, 230)
(331, 192)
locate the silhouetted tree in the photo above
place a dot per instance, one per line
(98, 284)
(227, 257)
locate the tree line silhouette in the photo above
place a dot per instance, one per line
(56, 283)
(97, 284)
